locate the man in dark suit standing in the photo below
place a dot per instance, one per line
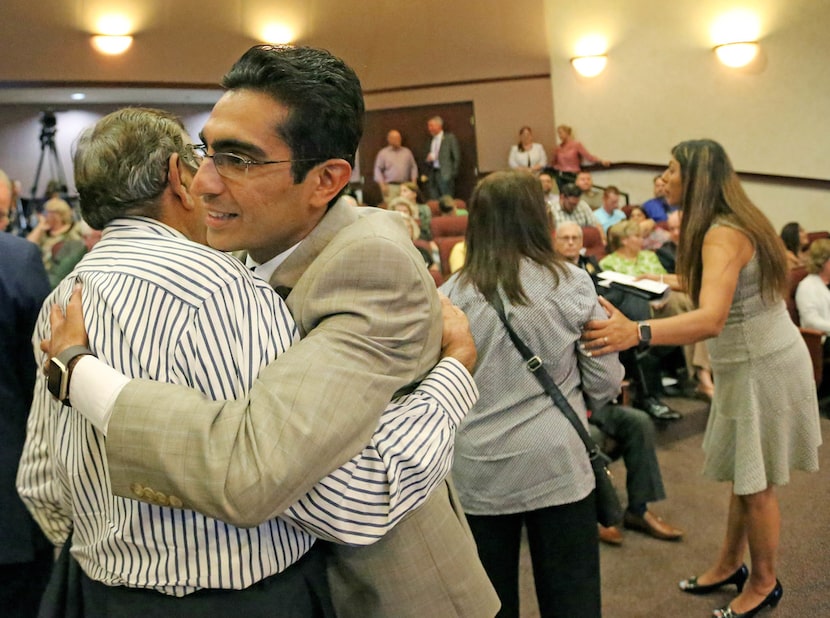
(25, 554)
(443, 160)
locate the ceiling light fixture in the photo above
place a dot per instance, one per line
(589, 66)
(737, 55)
(111, 44)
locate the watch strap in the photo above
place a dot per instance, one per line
(71, 352)
(66, 359)
(644, 327)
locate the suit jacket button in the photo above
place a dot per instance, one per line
(137, 489)
(175, 502)
(162, 499)
(149, 495)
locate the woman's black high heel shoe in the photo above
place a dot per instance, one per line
(738, 578)
(771, 600)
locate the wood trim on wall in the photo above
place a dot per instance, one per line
(466, 82)
(775, 179)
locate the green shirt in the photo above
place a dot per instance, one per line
(645, 263)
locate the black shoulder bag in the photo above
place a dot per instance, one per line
(609, 509)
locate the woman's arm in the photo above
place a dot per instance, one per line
(725, 252)
(583, 152)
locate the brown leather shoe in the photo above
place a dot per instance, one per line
(652, 525)
(610, 535)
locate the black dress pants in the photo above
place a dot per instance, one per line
(564, 552)
(301, 591)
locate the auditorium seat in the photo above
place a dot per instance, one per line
(592, 242)
(448, 226)
(445, 245)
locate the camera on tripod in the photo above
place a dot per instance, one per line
(48, 125)
(48, 128)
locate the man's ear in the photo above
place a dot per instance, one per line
(179, 178)
(332, 176)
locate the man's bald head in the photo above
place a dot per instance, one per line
(393, 138)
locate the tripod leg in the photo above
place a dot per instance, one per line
(37, 172)
(57, 165)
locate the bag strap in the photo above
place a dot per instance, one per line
(536, 367)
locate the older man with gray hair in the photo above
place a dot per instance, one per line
(160, 304)
(443, 159)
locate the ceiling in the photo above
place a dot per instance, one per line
(60, 96)
(45, 46)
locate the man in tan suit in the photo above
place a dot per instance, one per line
(280, 144)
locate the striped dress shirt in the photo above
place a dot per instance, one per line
(161, 307)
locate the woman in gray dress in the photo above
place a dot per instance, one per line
(764, 417)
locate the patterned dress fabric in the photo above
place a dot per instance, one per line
(764, 418)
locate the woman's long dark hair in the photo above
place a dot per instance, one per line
(508, 222)
(712, 190)
(791, 237)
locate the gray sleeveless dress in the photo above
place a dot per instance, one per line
(764, 418)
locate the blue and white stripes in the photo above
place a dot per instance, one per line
(161, 307)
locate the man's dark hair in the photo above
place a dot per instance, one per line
(571, 190)
(322, 94)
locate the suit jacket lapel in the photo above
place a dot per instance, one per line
(289, 272)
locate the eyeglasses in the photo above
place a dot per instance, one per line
(230, 165)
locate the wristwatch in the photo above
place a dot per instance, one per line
(60, 370)
(644, 334)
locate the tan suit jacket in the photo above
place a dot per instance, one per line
(370, 320)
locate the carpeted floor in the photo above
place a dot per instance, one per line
(639, 578)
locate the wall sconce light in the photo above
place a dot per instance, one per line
(111, 44)
(737, 55)
(589, 66)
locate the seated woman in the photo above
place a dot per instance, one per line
(812, 297)
(629, 257)
(518, 461)
(627, 254)
(796, 242)
(410, 191)
(409, 209)
(59, 238)
(654, 237)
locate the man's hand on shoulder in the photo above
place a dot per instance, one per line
(67, 329)
(456, 339)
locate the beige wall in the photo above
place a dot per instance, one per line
(500, 109)
(663, 85)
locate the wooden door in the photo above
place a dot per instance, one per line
(459, 119)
